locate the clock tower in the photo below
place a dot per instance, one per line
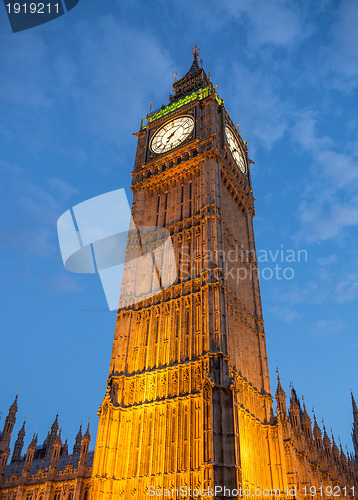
(188, 401)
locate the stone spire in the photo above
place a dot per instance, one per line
(306, 423)
(355, 427)
(56, 450)
(55, 426)
(317, 433)
(193, 80)
(335, 449)
(64, 450)
(8, 427)
(51, 437)
(19, 444)
(280, 397)
(295, 409)
(77, 445)
(326, 442)
(84, 447)
(30, 453)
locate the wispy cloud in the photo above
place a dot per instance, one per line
(115, 67)
(329, 327)
(279, 23)
(343, 49)
(28, 220)
(101, 76)
(62, 283)
(330, 201)
(257, 100)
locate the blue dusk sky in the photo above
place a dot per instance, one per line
(72, 93)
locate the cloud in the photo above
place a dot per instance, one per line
(64, 189)
(60, 283)
(278, 22)
(115, 68)
(330, 327)
(326, 261)
(346, 289)
(304, 132)
(322, 222)
(30, 211)
(343, 52)
(96, 84)
(26, 71)
(330, 201)
(262, 109)
(285, 314)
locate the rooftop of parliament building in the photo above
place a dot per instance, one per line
(50, 463)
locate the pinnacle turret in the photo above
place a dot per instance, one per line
(64, 450)
(55, 426)
(193, 80)
(280, 397)
(51, 438)
(295, 409)
(8, 427)
(30, 453)
(317, 433)
(326, 441)
(335, 449)
(84, 447)
(78, 441)
(306, 423)
(355, 427)
(19, 444)
(33, 441)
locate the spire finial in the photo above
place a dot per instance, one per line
(314, 415)
(195, 52)
(303, 403)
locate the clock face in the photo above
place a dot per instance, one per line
(172, 134)
(235, 149)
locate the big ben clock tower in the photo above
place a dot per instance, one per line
(188, 403)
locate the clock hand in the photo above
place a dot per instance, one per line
(170, 136)
(173, 133)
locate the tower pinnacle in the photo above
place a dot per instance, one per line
(195, 52)
(9, 426)
(193, 80)
(355, 426)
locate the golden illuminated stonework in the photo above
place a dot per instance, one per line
(188, 402)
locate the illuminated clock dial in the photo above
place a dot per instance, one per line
(172, 134)
(235, 149)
